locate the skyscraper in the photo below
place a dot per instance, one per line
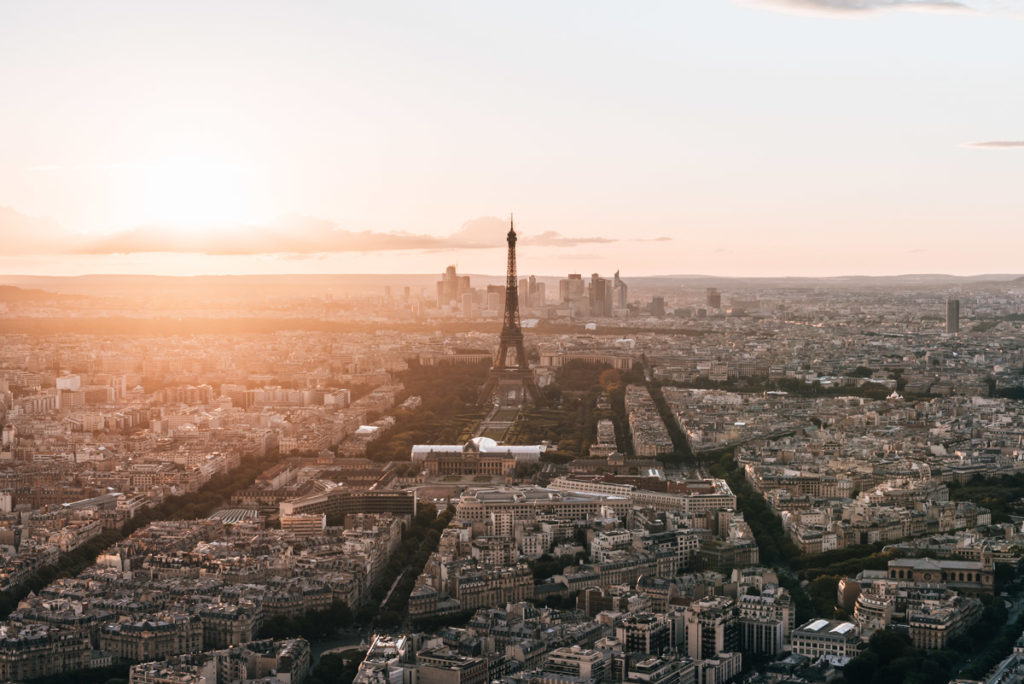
(540, 295)
(570, 289)
(714, 298)
(620, 293)
(952, 316)
(451, 287)
(600, 296)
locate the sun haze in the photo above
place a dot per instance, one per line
(764, 137)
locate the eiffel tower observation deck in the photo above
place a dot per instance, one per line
(511, 382)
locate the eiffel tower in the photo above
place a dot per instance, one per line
(511, 381)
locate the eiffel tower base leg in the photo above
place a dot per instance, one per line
(511, 389)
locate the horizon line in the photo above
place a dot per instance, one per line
(488, 275)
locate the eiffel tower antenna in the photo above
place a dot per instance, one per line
(511, 380)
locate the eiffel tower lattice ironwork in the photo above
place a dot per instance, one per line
(511, 380)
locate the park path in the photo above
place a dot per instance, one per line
(496, 425)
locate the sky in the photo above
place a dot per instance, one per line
(723, 137)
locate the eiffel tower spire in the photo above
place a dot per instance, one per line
(511, 380)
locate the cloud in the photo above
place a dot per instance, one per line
(23, 234)
(490, 231)
(318, 256)
(996, 144)
(290, 235)
(550, 238)
(853, 7)
(299, 236)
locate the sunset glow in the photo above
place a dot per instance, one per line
(753, 137)
(512, 342)
(194, 194)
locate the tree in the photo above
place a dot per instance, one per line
(610, 380)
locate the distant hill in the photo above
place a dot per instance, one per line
(234, 286)
(12, 294)
(846, 281)
(249, 287)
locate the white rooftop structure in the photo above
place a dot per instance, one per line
(482, 446)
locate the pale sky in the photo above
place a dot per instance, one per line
(762, 137)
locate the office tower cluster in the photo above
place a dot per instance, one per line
(456, 295)
(451, 288)
(531, 293)
(596, 297)
(577, 296)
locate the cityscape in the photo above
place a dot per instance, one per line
(629, 481)
(736, 394)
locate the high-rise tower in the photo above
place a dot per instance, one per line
(620, 293)
(511, 380)
(952, 316)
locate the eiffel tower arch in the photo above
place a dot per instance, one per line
(511, 381)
